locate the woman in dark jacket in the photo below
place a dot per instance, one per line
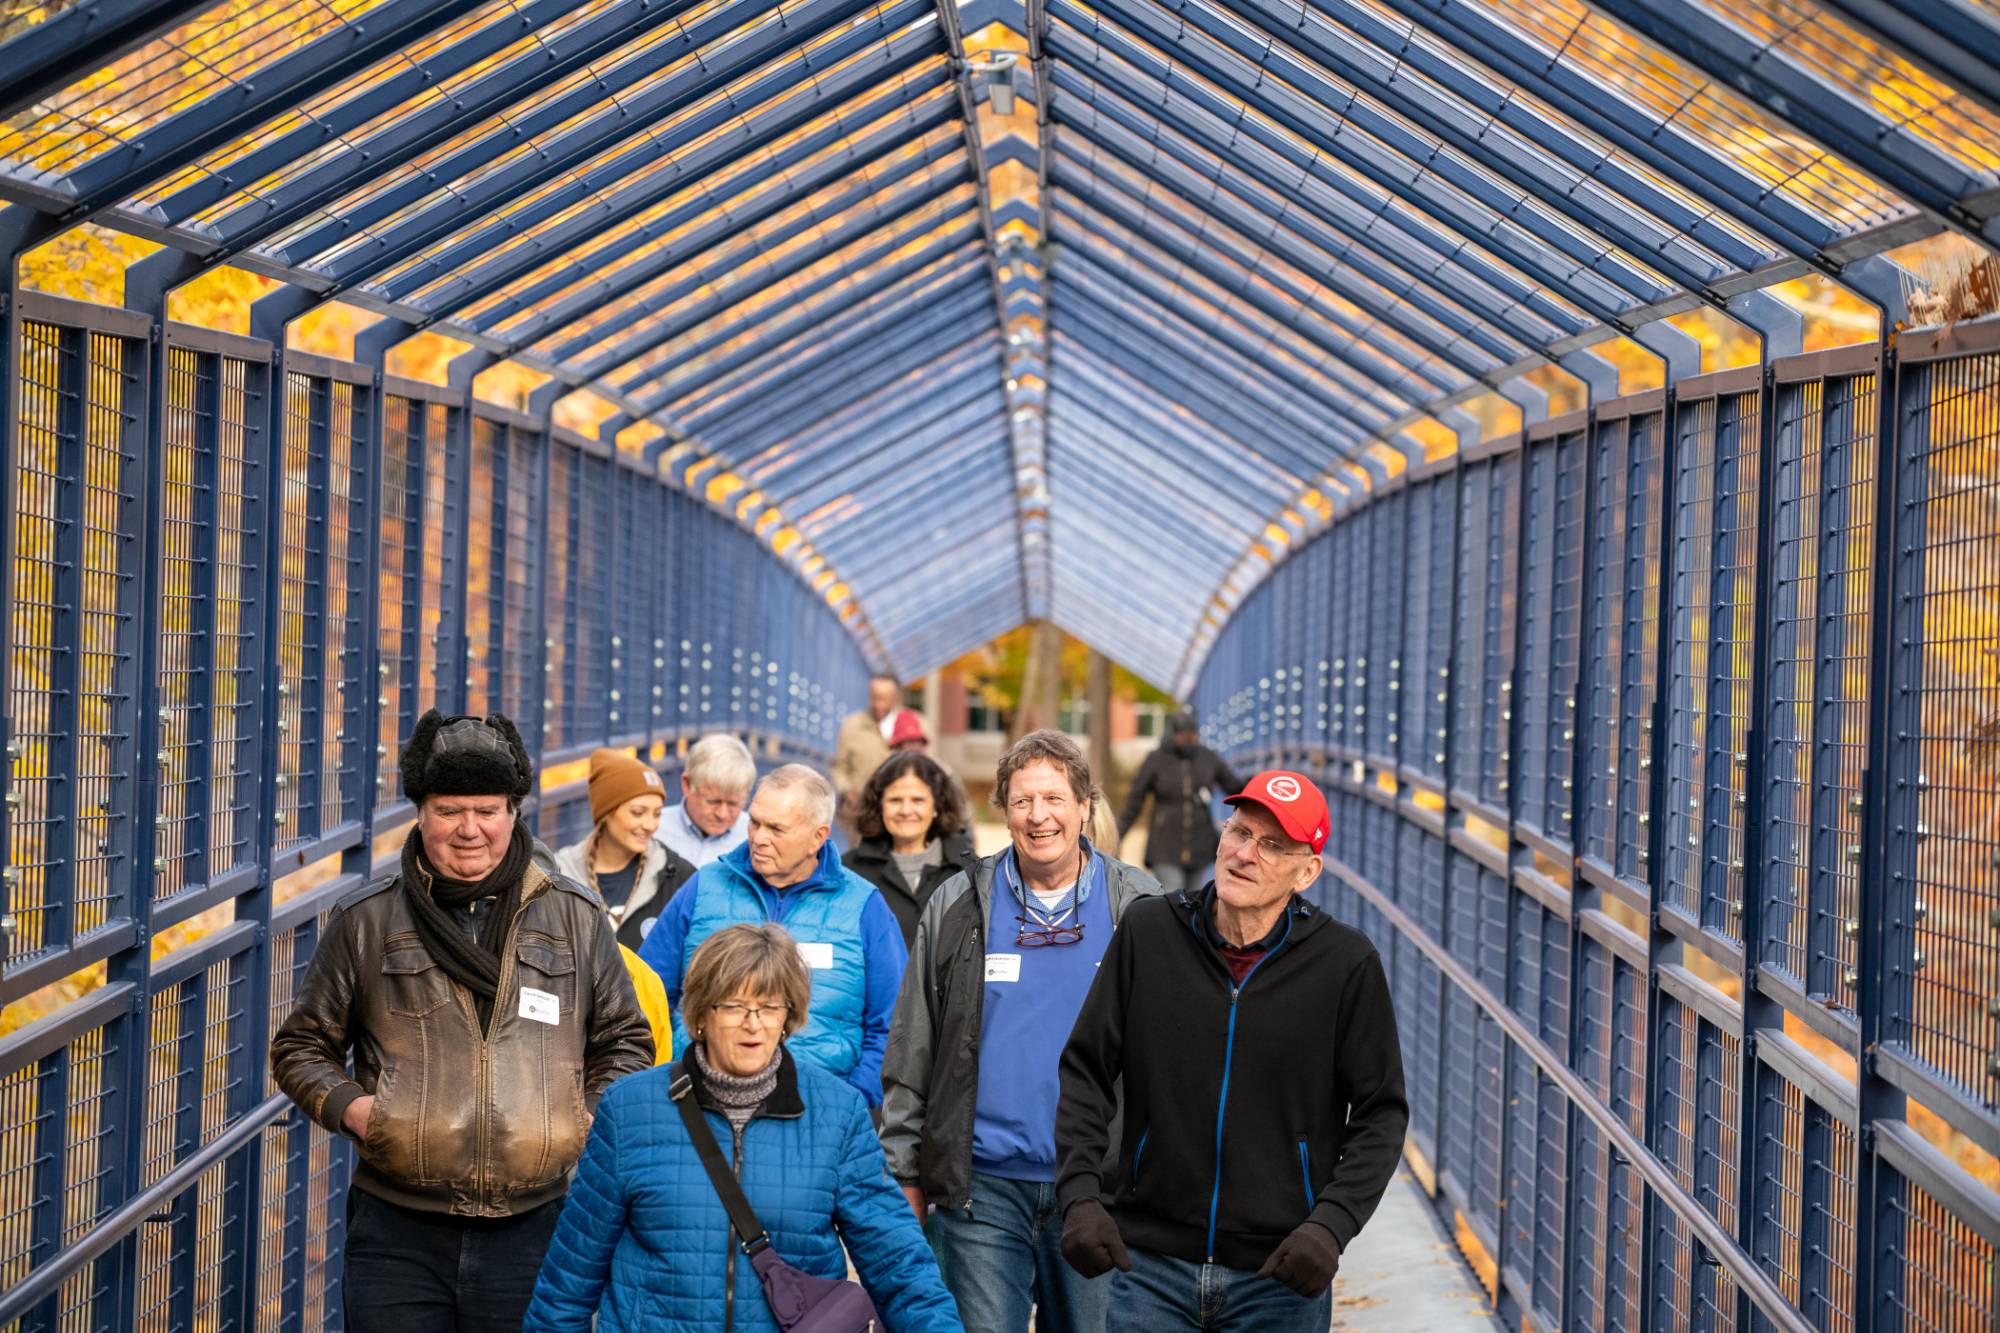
(914, 834)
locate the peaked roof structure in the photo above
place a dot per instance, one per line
(1010, 311)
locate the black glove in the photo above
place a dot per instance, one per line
(1304, 1261)
(1090, 1240)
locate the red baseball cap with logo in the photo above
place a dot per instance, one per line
(1293, 801)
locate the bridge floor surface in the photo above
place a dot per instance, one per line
(1404, 1272)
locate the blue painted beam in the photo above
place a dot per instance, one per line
(182, 139)
(655, 171)
(801, 315)
(46, 57)
(929, 197)
(950, 416)
(1285, 87)
(829, 364)
(1220, 255)
(1331, 394)
(625, 98)
(1800, 98)
(1484, 220)
(1164, 350)
(1270, 221)
(1951, 39)
(954, 398)
(1680, 158)
(798, 414)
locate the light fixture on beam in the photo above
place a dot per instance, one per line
(998, 69)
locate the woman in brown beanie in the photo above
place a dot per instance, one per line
(629, 868)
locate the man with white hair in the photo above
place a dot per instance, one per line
(788, 874)
(709, 821)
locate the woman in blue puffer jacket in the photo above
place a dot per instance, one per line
(644, 1243)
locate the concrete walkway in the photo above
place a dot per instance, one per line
(1404, 1272)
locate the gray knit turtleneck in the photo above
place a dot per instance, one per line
(739, 1098)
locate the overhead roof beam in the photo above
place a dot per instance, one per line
(1141, 273)
(618, 105)
(1950, 39)
(656, 171)
(1606, 199)
(1525, 247)
(179, 142)
(793, 417)
(939, 415)
(1357, 230)
(1178, 349)
(802, 314)
(835, 333)
(753, 269)
(857, 428)
(1226, 259)
(1245, 65)
(71, 43)
(1156, 473)
(1800, 98)
(1271, 223)
(1108, 368)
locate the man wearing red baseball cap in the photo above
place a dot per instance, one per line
(1263, 1110)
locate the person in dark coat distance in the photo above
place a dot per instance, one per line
(644, 1242)
(1181, 776)
(1263, 1111)
(914, 834)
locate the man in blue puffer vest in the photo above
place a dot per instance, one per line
(787, 873)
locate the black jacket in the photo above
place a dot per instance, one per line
(871, 859)
(1294, 1078)
(1180, 833)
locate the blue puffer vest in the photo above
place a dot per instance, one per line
(822, 913)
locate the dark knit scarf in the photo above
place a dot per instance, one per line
(472, 963)
(739, 1098)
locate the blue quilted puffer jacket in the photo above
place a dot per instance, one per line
(644, 1242)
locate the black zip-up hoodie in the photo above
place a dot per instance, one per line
(1248, 1108)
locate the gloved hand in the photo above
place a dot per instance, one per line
(1304, 1261)
(1090, 1240)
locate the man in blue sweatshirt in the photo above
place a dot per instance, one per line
(1005, 954)
(787, 873)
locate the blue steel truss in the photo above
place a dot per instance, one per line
(1642, 736)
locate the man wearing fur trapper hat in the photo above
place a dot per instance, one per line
(486, 1008)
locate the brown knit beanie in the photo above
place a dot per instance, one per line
(615, 778)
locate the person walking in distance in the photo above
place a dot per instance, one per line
(1181, 776)
(1263, 1111)
(486, 1009)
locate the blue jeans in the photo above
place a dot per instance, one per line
(1004, 1254)
(1175, 878)
(1162, 1292)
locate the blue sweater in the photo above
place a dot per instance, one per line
(1031, 1002)
(847, 1027)
(644, 1243)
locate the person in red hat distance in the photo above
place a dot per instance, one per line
(1253, 1145)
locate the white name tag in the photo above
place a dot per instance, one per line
(1003, 967)
(818, 954)
(540, 1005)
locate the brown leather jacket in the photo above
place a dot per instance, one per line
(479, 1126)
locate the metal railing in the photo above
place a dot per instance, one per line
(1660, 745)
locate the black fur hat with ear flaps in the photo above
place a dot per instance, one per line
(465, 757)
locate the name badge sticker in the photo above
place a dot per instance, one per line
(818, 954)
(540, 1006)
(1003, 967)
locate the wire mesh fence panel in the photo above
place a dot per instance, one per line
(1698, 1118)
(208, 597)
(1943, 874)
(1822, 542)
(418, 624)
(73, 638)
